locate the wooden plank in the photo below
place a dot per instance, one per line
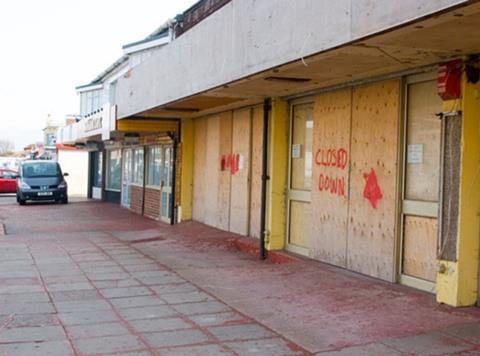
(374, 164)
(224, 179)
(419, 247)
(256, 186)
(212, 171)
(300, 222)
(199, 169)
(423, 134)
(331, 147)
(240, 197)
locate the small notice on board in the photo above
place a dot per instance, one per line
(297, 150)
(415, 154)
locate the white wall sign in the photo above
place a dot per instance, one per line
(415, 154)
(297, 150)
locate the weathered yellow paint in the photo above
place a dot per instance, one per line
(278, 170)
(457, 284)
(187, 144)
(146, 126)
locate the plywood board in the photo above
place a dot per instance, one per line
(212, 171)
(256, 185)
(423, 134)
(373, 180)
(199, 169)
(300, 220)
(224, 180)
(240, 197)
(419, 247)
(331, 148)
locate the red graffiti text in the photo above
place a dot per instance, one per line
(333, 185)
(231, 162)
(332, 157)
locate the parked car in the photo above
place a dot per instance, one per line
(8, 180)
(41, 181)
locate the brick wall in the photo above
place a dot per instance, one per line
(152, 203)
(136, 199)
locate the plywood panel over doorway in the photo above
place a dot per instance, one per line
(225, 177)
(373, 181)
(199, 171)
(256, 186)
(211, 171)
(240, 194)
(419, 247)
(331, 147)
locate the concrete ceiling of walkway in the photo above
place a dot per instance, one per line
(423, 43)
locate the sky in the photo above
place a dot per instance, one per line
(51, 46)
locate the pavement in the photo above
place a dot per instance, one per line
(92, 278)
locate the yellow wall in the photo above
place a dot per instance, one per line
(187, 142)
(457, 282)
(278, 169)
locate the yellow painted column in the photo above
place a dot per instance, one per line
(457, 282)
(278, 170)
(187, 142)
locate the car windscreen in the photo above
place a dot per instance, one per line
(44, 169)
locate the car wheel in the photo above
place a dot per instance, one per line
(65, 200)
(21, 201)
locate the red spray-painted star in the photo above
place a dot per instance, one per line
(372, 191)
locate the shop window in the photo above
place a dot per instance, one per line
(301, 150)
(114, 158)
(138, 166)
(97, 169)
(154, 166)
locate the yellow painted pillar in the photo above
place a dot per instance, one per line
(278, 170)
(187, 142)
(457, 282)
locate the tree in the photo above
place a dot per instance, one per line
(6, 146)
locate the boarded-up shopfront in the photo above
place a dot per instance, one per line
(227, 170)
(346, 179)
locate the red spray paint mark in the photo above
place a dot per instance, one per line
(231, 162)
(372, 191)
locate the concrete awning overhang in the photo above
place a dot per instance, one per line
(411, 48)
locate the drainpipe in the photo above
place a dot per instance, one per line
(266, 114)
(144, 185)
(174, 136)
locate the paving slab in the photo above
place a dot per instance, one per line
(158, 325)
(366, 350)
(50, 348)
(469, 332)
(125, 292)
(268, 347)
(202, 350)
(131, 302)
(186, 297)
(33, 334)
(87, 317)
(108, 344)
(240, 332)
(201, 308)
(176, 338)
(434, 343)
(96, 330)
(147, 312)
(218, 319)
